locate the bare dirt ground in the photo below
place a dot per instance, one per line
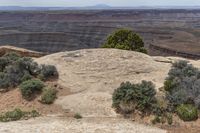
(87, 79)
(13, 99)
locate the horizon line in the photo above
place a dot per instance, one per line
(104, 5)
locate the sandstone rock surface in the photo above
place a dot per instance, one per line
(92, 75)
(20, 51)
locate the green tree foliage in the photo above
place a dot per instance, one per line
(125, 39)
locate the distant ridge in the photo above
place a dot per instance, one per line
(99, 6)
(13, 8)
(95, 7)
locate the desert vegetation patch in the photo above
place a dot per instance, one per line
(17, 72)
(180, 97)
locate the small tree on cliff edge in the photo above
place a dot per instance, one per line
(125, 39)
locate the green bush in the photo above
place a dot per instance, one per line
(48, 71)
(78, 116)
(48, 96)
(3, 63)
(162, 119)
(26, 77)
(125, 39)
(27, 64)
(12, 57)
(13, 75)
(157, 119)
(130, 97)
(169, 119)
(168, 85)
(32, 114)
(4, 82)
(160, 107)
(17, 114)
(14, 115)
(30, 87)
(187, 112)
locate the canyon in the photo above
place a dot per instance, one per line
(165, 32)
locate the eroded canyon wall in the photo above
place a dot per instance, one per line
(53, 31)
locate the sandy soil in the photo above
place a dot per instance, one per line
(13, 99)
(71, 125)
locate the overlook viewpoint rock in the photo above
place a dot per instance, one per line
(88, 78)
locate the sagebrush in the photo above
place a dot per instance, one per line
(48, 95)
(47, 71)
(17, 114)
(130, 97)
(15, 69)
(30, 87)
(182, 85)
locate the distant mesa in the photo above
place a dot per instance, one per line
(12, 8)
(100, 6)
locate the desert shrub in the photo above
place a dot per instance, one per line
(30, 87)
(15, 69)
(78, 116)
(12, 57)
(14, 115)
(3, 63)
(12, 70)
(187, 112)
(17, 114)
(163, 119)
(160, 110)
(33, 114)
(169, 84)
(4, 82)
(169, 119)
(125, 39)
(48, 71)
(182, 85)
(26, 77)
(161, 106)
(29, 65)
(130, 97)
(157, 119)
(13, 75)
(48, 96)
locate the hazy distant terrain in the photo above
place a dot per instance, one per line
(95, 7)
(166, 32)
